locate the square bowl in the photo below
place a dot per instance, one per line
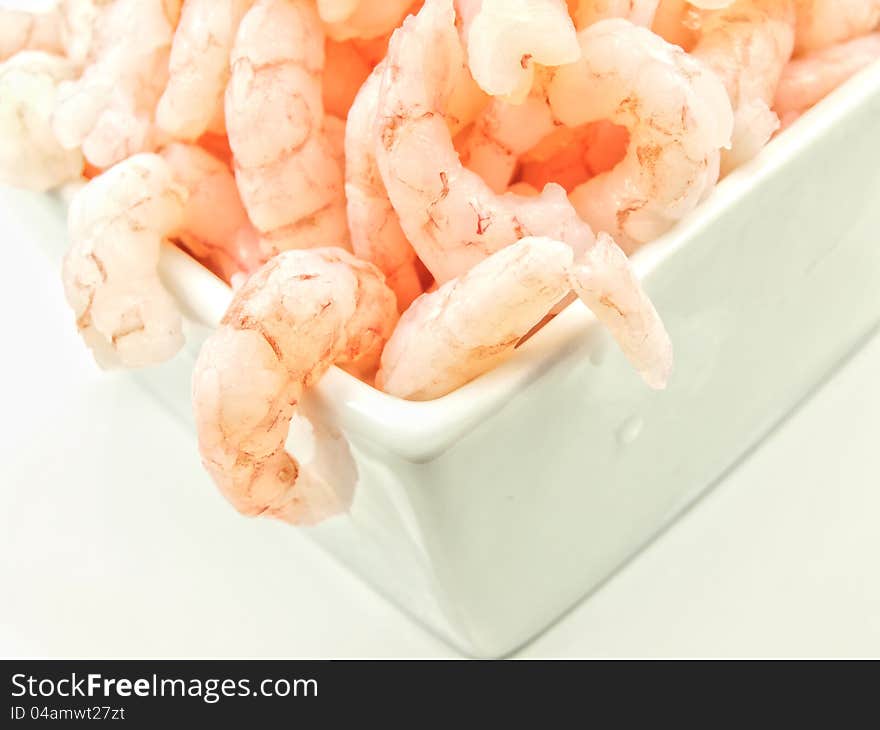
(488, 513)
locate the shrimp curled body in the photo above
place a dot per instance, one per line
(678, 116)
(116, 224)
(451, 217)
(296, 316)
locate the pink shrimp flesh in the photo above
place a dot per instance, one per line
(199, 67)
(287, 325)
(678, 116)
(473, 323)
(506, 38)
(376, 235)
(30, 156)
(286, 169)
(748, 44)
(638, 12)
(109, 110)
(450, 216)
(117, 223)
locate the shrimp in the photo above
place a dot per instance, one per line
(810, 78)
(375, 230)
(450, 216)
(227, 244)
(638, 12)
(748, 44)
(30, 156)
(678, 117)
(199, 67)
(367, 18)
(822, 23)
(473, 323)
(117, 223)
(109, 110)
(285, 166)
(287, 325)
(21, 30)
(506, 38)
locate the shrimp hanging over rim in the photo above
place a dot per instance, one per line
(294, 318)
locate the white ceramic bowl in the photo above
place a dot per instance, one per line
(488, 513)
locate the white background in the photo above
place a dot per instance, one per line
(114, 543)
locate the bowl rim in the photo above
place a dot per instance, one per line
(419, 430)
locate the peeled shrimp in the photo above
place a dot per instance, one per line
(506, 38)
(109, 110)
(199, 67)
(810, 78)
(21, 30)
(473, 323)
(748, 44)
(285, 167)
(678, 116)
(822, 23)
(638, 12)
(30, 156)
(226, 243)
(117, 223)
(293, 318)
(376, 235)
(450, 216)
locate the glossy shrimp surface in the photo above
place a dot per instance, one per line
(678, 117)
(287, 325)
(192, 102)
(30, 156)
(286, 168)
(117, 223)
(451, 217)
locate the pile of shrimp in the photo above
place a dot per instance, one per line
(403, 189)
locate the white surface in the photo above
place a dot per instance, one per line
(114, 543)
